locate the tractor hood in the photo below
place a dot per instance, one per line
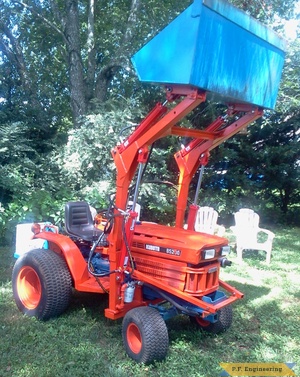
(175, 243)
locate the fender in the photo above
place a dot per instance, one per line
(72, 255)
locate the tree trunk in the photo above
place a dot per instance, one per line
(83, 83)
(75, 65)
(107, 73)
(14, 53)
(91, 64)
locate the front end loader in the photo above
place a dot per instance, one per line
(153, 272)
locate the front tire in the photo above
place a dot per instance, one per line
(223, 323)
(42, 284)
(145, 335)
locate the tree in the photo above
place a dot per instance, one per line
(54, 50)
(60, 59)
(278, 139)
(53, 54)
(14, 148)
(89, 43)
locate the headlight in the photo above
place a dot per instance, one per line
(208, 254)
(225, 250)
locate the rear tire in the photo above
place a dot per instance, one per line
(145, 335)
(42, 284)
(223, 323)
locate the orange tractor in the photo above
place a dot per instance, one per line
(150, 271)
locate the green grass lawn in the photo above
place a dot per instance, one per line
(82, 342)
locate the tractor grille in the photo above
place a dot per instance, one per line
(197, 281)
(172, 274)
(202, 280)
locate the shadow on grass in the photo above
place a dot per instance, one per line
(250, 291)
(279, 333)
(6, 264)
(177, 324)
(262, 333)
(92, 304)
(254, 256)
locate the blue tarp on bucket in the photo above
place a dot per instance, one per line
(216, 47)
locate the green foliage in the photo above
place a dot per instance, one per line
(258, 168)
(86, 159)
(82, 342)
(45, 160)
(158, 202)
(40, 205)
(29, 181)
(268, 11)
(16, 164)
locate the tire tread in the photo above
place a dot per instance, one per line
(55, 278)
(154, 332)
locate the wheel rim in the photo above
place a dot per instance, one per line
(29, 287)
(134, 338)
(202, 322)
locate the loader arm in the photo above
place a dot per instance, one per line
(126, 158)
(188, 159)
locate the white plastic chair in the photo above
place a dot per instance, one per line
(206, 221)
(247, 230)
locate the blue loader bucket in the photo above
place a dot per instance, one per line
(216, 47)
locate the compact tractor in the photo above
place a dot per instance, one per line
(153, 272)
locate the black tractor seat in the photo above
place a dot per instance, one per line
(79, 222)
